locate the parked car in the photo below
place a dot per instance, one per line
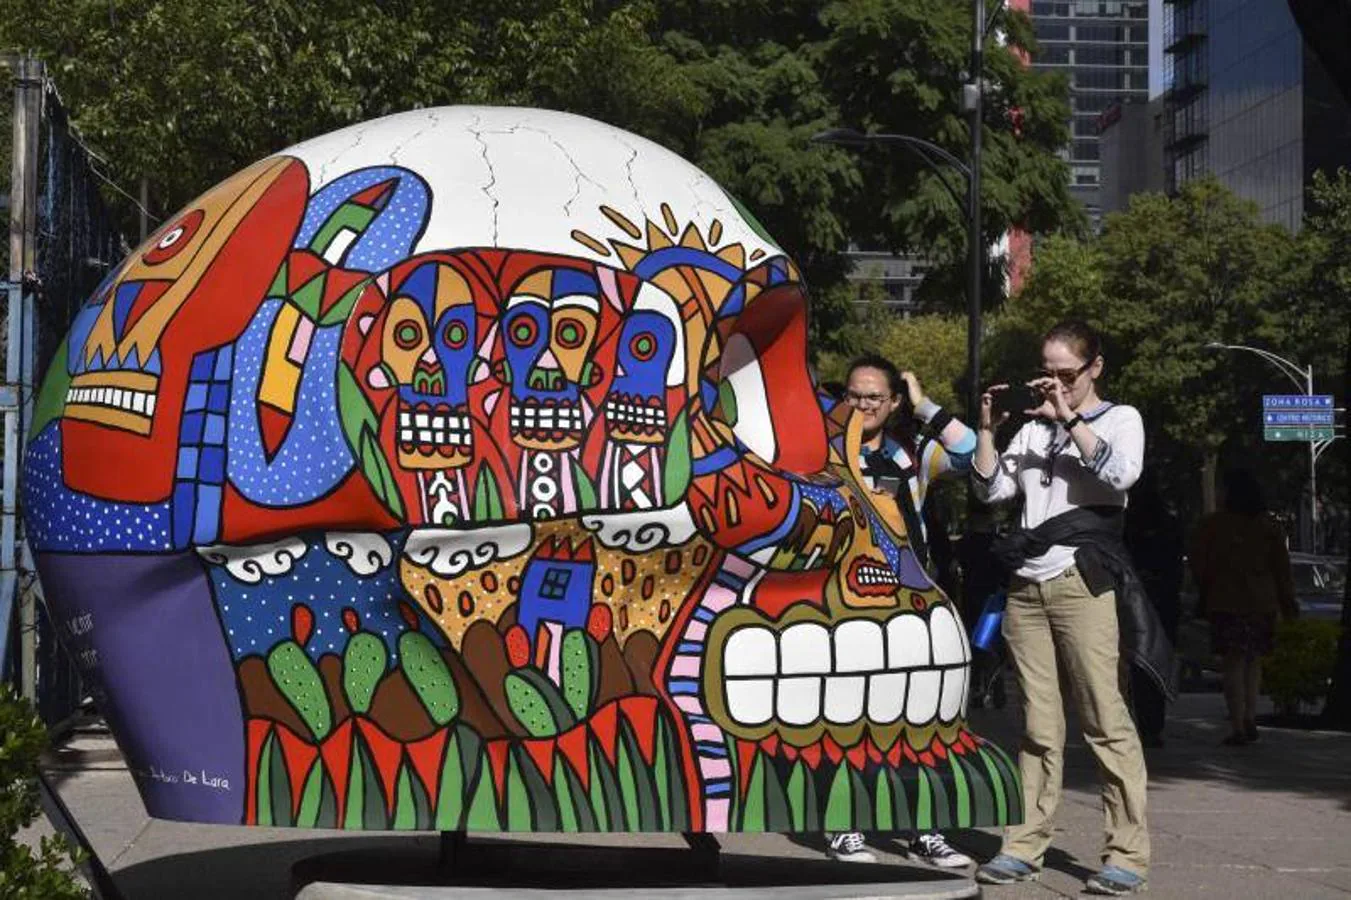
(1320, 591)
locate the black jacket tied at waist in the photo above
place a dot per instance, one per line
(1100, 554)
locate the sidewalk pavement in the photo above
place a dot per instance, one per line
(1268, 820)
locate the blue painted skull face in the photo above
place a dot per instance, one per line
(635, 409)
(429, 349)
(548, 334)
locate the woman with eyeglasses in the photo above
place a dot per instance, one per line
(894, 460)
(1074, 603)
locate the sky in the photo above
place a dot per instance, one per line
(1155, 48)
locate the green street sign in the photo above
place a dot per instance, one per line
(1290, 433)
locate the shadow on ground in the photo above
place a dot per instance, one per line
(261, 869)
(1289, 761)
(982, 845)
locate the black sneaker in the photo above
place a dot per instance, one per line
(933, 849)
(848, 846)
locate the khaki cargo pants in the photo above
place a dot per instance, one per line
(1059, 626)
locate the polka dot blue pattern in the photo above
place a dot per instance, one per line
(258, 616)
(391, 236)
(314, 457)
(59, 519)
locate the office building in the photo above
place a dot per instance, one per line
(1103, 48)
(897, 275)
(1131, 137)
(1247, 102)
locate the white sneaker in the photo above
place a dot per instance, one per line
(848, 846)
(935, 850)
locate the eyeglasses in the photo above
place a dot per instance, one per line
(1067, 377)
(854, 398)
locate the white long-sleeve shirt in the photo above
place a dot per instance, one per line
(1040, 447)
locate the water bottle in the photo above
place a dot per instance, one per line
(986, 634)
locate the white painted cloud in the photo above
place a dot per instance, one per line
(448, 552)
(365, 552)
(638, 532)
(250, 563)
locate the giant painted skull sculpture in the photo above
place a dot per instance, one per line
(462, 470)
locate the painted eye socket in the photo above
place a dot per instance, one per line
(643, 346)
(524, 331)
(456, 335)
(569, 334)
(407, 334)
(173, 241)
(857, 509)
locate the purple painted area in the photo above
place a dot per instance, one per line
(144, 631)
(912, 573)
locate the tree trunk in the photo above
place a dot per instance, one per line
(1209, 467)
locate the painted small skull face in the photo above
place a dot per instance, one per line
(429, 349)
(635, 409)
(873, 568)
(115, 350)
(548, 333)
(185, 292)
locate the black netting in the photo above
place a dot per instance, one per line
(76, 242)
(73, 247)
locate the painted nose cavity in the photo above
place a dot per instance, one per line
(776, 414)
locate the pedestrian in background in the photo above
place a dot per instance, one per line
(1072, 464)
(1243, 577)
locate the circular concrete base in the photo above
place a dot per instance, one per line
(553, 870)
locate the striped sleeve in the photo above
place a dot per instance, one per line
(1119, 455)
(953, 449)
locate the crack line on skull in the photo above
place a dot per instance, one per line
(628, 169)
(578, 177)
(394, 154)
(323, 169)
(492, 176)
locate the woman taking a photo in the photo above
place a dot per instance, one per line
(1072, 464)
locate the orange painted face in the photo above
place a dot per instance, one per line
(192, 286)
(428, 348)
(117, 380)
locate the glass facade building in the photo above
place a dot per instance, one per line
(1247, 103)
(1103, 48)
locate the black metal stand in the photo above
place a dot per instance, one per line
(452, 848)
(59, 814)
(705, 849)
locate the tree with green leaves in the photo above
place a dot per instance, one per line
(1166, 277)
(42, 868)
(1324, 279)
(182, 94)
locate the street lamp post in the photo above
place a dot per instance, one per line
(932, 155)
(973, 95)
(935, 157)
(973, 99)
(1303, 379)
